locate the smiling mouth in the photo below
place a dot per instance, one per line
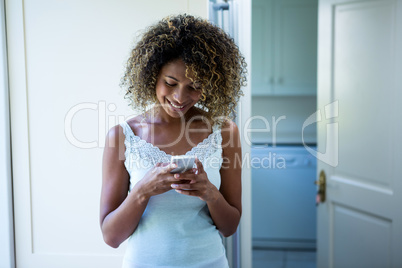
(175, 106)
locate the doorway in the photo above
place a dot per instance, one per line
(283, 79)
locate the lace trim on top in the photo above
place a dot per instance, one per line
(139, 149)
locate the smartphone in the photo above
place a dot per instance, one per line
(183, 162)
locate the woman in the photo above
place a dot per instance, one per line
(186, 75)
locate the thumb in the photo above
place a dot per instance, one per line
(200, 167)
(169, 167)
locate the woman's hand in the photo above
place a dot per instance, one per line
(157, 180)
(197, 184)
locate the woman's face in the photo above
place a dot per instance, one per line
(175, 92)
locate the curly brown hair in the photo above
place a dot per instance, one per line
(208, 52)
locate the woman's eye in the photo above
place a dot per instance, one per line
(170, 85)
(195, 88)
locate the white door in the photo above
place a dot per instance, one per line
(65, 62)
(359, 133)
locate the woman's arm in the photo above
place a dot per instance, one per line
(224, 204)
(226, 208)
(119, 212)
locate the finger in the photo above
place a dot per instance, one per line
(171, 178)
(181, 186)
(155, 168)
(200, 167)
(186, 192)
(168, 168)
(158, 164)
(196, 171)
(175, 181)
(186, 180)
(188, 186)
(190, 171)
(185, 176)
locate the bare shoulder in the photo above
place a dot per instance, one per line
(114, 153)
(136, 123)
(115, 137)
(230, 126)
(115, 134)
(115, 131)
(230, 134)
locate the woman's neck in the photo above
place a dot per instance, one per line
(159, 116)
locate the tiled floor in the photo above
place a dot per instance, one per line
(283, 259)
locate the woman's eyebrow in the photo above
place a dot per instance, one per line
(171, 77)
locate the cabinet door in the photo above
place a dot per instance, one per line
(262, 47)
(295, 47)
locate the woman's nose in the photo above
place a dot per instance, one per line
(180, 95)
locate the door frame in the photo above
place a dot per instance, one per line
(244, 113)
(7, 253)
(239, 246)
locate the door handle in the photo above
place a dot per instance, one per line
(322, 186)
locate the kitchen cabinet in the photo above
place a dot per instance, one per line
(284, 211)
(284, 47)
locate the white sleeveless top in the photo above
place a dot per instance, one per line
(175, 230)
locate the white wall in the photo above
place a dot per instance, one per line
(63, 54)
